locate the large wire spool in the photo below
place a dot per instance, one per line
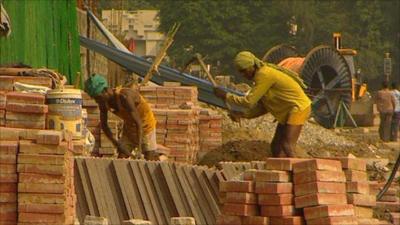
(327, 75)
(280, 52)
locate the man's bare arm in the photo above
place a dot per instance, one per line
(104, 124)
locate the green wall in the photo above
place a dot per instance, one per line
(44, 33)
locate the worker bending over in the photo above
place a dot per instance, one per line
(276, 90)
(139, 130)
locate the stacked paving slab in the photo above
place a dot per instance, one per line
(25, 110)
(93, 118)
(8, 182)
(320, 190)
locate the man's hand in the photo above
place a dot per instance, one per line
(220, 93)
(123, 151)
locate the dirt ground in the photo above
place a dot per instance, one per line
(250, 140)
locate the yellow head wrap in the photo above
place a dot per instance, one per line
(246, 59)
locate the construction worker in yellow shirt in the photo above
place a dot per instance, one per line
(276, 90)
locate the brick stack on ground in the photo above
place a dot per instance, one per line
(93, 118)
(8, 182)
(7, 82)
(169, 96)
(389, 203)
(45, 180)
(2, 109)
(320, 190)
(106, 146)
(210, 131)
(26, 110)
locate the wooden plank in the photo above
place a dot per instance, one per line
(173, 189)
(87, 187)
(207, 190)
(143, 192)
(191, 199)
(194, 186)
(124, 171)
(101, 166)
(155, 201)
(97, 187)
(162, 191)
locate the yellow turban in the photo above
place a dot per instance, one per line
(246, 59)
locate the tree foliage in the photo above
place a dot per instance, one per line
(221, 28)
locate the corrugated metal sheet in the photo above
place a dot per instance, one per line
(44, 34)
(120, 189)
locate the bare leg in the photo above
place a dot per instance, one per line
(276, 147)
(289, 139)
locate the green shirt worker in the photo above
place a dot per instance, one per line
(276, 90)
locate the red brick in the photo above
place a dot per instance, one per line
(41, 217)
(8, 188)
(228, 220)
(361, 199)
(249, 175)
(34, 124)
(8, 168)
(50, 137)
(337, 220)
(40, 198)
(275, 199)
(26, 108)
(41, 178)
(320, 199)
(319, 175)
(40, 159)
(389, 198)
(354, 175)
(357, 187)
(29, 147)
(364, 212)
(319, 187)
(40, 169)
(272, 176)
(29, 98)
(8, 197)
(255, 220)
(40, 81)
(25, 117)
(8, 178)
(241, 197)
(237, 186)
(391, 206)
(317, 164)
(239, 209)
(41, 208)
(40, 188)
(328, 210)
(278, 211)
(287, 220)
(352, 163)
(370, 221)
(273, 188)
(8, 207)
(8, 147)
(395, 218)
(8, 218)
(391, 191)
(281, 163)
(8, 159)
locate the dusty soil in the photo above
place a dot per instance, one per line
(250, 140)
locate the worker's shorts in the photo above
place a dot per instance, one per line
(299, 118)
(149, 142)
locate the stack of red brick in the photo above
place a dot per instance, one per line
(7, 82)
(45, 186)
(8, 182)
(169, 96)
(25, 110)
(389, 202)
(106, 146)
(2, 109)
(320, 190)
(210, 131)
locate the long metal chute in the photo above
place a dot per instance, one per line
(140, 66)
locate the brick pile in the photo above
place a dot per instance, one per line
(106, 146)
(389, 203)
(45, 180)
(169, 96)
(25, 110)
(210, 131)
(320, 190)
(7, 82)
(8, 182)
(2, 109)
(262, 196)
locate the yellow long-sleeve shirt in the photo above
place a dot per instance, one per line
(273, 92)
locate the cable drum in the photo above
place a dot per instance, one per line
(326, 74)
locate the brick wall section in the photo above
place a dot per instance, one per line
(36, 177)
(7, 82)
